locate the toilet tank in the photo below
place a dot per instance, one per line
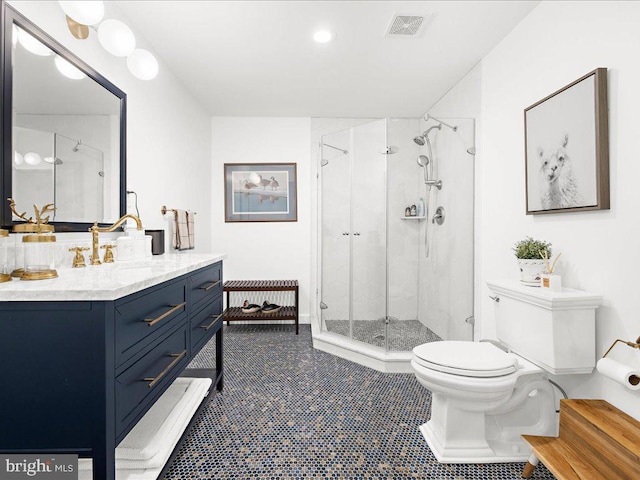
(554, 330)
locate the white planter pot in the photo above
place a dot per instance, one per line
(531, 271)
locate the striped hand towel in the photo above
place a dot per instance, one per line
(191, 217)
(181, 231)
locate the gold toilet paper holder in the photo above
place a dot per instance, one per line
(631, 344)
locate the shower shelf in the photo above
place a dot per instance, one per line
(413, 218)
(288, 312)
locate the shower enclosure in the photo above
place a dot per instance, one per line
(69, 174)
(379, 287)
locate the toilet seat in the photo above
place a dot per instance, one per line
(467, 359)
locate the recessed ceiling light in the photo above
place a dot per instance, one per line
(323, 36)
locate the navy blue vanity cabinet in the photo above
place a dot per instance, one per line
(78, 375)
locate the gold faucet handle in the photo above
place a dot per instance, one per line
(78, 259)
(108, 254)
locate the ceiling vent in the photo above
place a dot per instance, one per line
(406, 26)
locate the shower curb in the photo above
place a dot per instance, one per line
(371, 357)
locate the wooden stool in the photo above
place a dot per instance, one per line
(597, 442)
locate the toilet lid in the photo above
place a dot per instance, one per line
(469, 359)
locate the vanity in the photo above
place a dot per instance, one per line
(87, 354)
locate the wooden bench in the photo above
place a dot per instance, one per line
(597, 442)
(288, 312)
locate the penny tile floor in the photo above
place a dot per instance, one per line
(289, 411)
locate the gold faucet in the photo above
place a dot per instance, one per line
(95, 256)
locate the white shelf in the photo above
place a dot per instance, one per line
(412, 218)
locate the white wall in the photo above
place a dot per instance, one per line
(556, 44)
(168, 132)
(264, 250)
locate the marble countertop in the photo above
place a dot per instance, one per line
(107, 281)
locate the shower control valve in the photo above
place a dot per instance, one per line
(439, 216)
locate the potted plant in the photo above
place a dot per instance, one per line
(531, 256)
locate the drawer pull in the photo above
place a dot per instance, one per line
(153, 321)
(153, 380)
(209, 287)
(207, 327)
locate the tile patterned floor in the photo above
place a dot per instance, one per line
(403, 334)
(289, 411)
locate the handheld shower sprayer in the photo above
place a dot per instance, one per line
(423, 161)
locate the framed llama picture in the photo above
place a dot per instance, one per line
(567, 148)
(260, 192)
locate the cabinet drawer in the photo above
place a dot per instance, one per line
(139, 320)
(142, 383)
(205, 323)
(205, 284)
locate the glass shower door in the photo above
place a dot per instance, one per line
(79, 180)
(354, 233)
(335, 308)
(369, 233)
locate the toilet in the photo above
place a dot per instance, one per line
(486, 394)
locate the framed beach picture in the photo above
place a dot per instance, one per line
(567, 148)
(260, 192)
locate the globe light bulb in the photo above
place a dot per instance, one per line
(142, 64)
(84, 12)
(116, 38)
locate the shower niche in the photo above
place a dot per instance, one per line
(377, 287)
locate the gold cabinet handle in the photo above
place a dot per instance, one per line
(207, 327)
(153, 321)
(209, 287)
(153, 380)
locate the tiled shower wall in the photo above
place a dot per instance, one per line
(446, 275)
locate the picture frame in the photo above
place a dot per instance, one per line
(260, 192)
(567, 148)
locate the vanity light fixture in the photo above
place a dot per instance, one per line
(18, 159)
(142, 64)
(32, 158)
(84, 12)
(324, 36)
(68, 70)
(33, 45)
(116, 38)
(50, 160)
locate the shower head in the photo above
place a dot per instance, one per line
(424, 138)
(423, 160)
(75, 149)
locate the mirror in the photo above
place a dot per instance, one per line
(63, 132)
